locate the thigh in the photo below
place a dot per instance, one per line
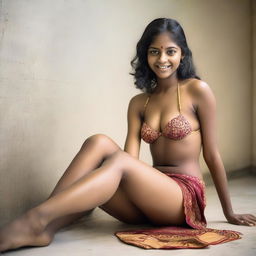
(121, 208)
(155, 194)
(94, 150)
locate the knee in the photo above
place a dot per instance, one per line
(103, 141)
(100, 139)
(119, 158)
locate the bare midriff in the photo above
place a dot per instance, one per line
(190, 168)
(180, 157)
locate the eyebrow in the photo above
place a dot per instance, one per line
(165, 48)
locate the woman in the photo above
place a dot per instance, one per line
(176, 115)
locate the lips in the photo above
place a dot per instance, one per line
(163, 67)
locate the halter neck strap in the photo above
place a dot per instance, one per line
(178, 96)
(178, 99)
(145, 106)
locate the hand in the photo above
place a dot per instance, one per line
(242, 219)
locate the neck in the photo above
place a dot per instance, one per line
(165, 85)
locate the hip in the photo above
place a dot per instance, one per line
(190, 168)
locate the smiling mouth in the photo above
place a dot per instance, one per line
(163, 67)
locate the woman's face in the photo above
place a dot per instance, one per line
(164, 56)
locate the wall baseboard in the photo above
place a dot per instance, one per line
(253, 171)
(234, 174)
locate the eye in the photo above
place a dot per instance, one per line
(171, 52)
(153, 52)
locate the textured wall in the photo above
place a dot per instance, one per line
(64, 76)
(254, 80)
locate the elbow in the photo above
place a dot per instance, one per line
(133, 150)
(135, 155)
(211, 156)
(132, 153)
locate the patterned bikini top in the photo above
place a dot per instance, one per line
(176, 129)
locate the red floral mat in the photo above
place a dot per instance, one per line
(177, 237)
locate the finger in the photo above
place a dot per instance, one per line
(244, 220)
(252, 218)
(252, 221)
(249, 217)
(247, 222)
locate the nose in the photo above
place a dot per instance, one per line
(162, 57)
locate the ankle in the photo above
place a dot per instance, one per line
(37, 220)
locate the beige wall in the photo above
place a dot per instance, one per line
(64, 76)
(254, 80)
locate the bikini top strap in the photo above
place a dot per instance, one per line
(178, 94)
(145, 105)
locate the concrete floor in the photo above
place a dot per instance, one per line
(94, 235)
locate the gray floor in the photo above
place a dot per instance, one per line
(94, 235)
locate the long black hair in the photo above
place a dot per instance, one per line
(144, 77)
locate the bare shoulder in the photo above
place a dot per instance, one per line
(139, 98)
(199, 89)
(137, 102)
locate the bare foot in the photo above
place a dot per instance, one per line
(27, 230)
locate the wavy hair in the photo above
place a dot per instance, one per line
(144, 77)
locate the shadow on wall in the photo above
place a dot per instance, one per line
(27, 160)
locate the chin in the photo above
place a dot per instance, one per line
(164, 76)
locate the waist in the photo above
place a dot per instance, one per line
(191, 168)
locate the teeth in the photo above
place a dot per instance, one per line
(163, 67)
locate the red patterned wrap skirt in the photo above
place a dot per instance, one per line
(193, 190)
(193, 234)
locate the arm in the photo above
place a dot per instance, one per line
(132, 143)
(206, 110)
